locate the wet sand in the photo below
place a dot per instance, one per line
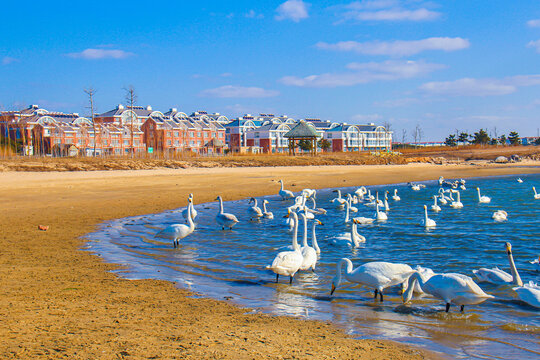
(59, 302)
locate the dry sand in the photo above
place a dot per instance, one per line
(59, 302)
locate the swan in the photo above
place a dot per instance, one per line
(536, 263)
(287, 263)
(529, 293)
(267, 214)
(193, 211)
(536, 195)
(451, 288)
(426, 273)
(254, 211)
(378, 275)
(315, 209)
(483, 199)
(375, 201)
(396, 197)
(427, 222)
(499, 215)
(309, 193)
(359, 220)
(386, 207)
(360, 192)
(285, 194)
(435, 207)
(415, 187)
(457, 204)
(352, 239)
(177, 232)
(442, 199)
(369, 196)
(381, 216)
(314, 237)
(309, 254)
(339, 201)
(441, 180)
(498, 276)
(519, 180)
(225, 219)
(351, 208)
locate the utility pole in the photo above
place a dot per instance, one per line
(90, 92)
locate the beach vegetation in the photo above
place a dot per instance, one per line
(481, 137)
(514, 139)
(450, 140)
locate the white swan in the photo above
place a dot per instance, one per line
(315, 209)
(498, 276)
(309, 193)
(314, 242)
(193, 211)
(225, 219)
(369, 196)
(254, 211)
(435, 207)
(427, 222)
(483, 199)
(396, 197)
(451, 288)
(360, 192)
(267, 214)
(353, 238)
(519, 180)
(415, 187)
(177, 232)
(386, 207)
(380, 215)
(529, 293)
(499, 215)
(442, 199)
(285, 194)
(375, 201)
(377, 275)
(536, 195)
(457, 204)
(287, 263)
(309, 254)
(351, 208)
(339, 201)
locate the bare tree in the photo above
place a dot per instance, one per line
(403, 136)
(91, 92)
(131, 100)
(417, 133)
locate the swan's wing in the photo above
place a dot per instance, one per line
(229, 217)
(287, 260)
(170, 231)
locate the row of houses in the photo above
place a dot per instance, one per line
(124, 130)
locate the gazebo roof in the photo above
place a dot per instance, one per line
(301, 130)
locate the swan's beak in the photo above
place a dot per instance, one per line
(508, 248)
(288, 214)
(333, 289)
(320, 223)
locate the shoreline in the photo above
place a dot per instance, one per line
(60, 301)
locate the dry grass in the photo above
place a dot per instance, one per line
(188, 160)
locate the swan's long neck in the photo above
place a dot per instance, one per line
(458, 197)
(516, 279)
(304, 238)
(340, 264)
(295, 233)
(314, 239)
(435, 200)
(264, 206)
(377, 205)
(189, 218)
(220, 205)
(255, 202)
(386, 207)
(534, 189)
(339, 194)
(479, 196)
(415, 277)
(347, 212)
(425, 215)
(354, 235)
(395, 192)
(377, 196)
(314, 203)
(281, 182)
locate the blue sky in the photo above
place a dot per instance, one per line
(443, 65)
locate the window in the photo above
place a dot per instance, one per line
(192, 142)
(169, 142)
(329, 135)
(191, 134)
(176, 134)
(257, 135)
(205, 135)
(176, 143)
(126, 142)
(198, 142)
(221, 135)
(198, 134)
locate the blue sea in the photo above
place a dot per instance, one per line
(231, 264)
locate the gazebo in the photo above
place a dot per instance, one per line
(302, 131)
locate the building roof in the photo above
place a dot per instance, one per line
(301, 130)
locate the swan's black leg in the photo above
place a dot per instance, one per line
(223, 228)
(290, 280)
(380, 295)
(447, 307)
(277, 277)
(376, 293)
(462, 307)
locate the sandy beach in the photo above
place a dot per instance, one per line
(59, 302)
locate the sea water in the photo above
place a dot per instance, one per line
(230, 265)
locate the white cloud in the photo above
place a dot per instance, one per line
(232, 91)
(533, 23)
(398, 47)
(252, 14)
(480, 87)
(535, 44)
(365, 72)
(387, 10)
(6, 60)
(294, 10)
(97, 54)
